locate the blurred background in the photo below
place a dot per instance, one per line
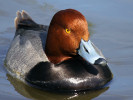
(110, 23)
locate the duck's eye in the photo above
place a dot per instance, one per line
(68, 31)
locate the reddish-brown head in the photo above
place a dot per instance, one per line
(66, 30)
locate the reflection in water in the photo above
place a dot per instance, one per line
(33, 93)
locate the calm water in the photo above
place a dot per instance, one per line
(111, 23)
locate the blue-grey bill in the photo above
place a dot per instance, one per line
(89, 51)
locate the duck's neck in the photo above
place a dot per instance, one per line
(53, 53)
(57, 59)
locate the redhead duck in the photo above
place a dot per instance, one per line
(64, 59)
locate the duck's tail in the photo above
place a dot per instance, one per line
(23, 20)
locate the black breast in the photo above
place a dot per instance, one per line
(71, 75)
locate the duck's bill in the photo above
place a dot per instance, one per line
(91, 53)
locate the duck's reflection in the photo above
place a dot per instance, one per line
(37, 94)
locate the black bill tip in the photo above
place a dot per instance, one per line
(101, 61)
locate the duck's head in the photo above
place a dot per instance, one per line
(68, 36)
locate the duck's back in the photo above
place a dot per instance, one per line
(27, 47)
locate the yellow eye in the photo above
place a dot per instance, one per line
(68, 31)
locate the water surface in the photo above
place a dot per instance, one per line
(112, 27)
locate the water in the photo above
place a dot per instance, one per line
(111, 25)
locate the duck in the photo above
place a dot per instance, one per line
(58, 57)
